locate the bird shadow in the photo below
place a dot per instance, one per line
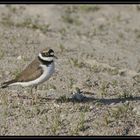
(111, 100)
(105, 101)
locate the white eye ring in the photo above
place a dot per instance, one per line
(52, 53)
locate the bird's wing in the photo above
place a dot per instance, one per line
(31, 72)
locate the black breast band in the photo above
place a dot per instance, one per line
(44, 62)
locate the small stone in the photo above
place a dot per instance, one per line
(62, 116)
(91, 107)
(137, 78)
(122, 72)
(25, 91)
(112, 104)
(19, 57)
(56, 105)
(137, 110)
(7, 72)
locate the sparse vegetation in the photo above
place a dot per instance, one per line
(81, 122)
(62, 99)
(111, 71)
(79, 126)
(51, 86)
(16, 72)
(120, 110)
(103, 89)
(69, 18)
(96, 69)
(28, 22)
(114, 83)
(55, 122)
(62, 32)
(84, 108)
(75, 62)
(125, 95)
(1, 54)
(62, 48)
(89, 8)
(95, 53)
(72, 81)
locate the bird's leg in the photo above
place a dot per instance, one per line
(36, 87)
(31, 90)
(34, 95)
(18, 94)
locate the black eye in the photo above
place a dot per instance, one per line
(50, 51)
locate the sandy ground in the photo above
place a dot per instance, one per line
(99, 52)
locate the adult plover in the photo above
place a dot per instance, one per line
(37, 72)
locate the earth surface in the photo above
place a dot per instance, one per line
(98, 51)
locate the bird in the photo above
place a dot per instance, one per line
(37, 72)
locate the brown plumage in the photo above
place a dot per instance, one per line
(30, 73)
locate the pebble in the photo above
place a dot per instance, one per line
(137, 110)
(56, 105)
(7, 72)
(19, 57)
(91, 107)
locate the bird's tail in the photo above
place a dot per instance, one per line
(6, 84)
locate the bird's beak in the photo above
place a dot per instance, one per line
(55, 57)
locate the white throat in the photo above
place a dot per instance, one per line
(45, 58)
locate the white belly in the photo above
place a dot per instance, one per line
(47, 72)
